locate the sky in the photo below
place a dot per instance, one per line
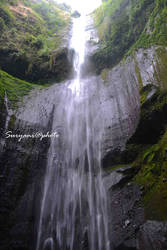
(85, 6)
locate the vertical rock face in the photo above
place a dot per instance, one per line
(146, 67)
(22, 164)
(122, 102)
(150, 66)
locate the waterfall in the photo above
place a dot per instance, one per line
(8, 116)
(73, 210)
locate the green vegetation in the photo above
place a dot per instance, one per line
(161, 66)
(125, 26)
(14, 88)
(153, 177)
(116, 167)
(103, 17)
(155, 32)
(31, 32)
(137, 71)
(104, 75)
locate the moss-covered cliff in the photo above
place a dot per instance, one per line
(33, 38)
(15, 89)
(138, 29)
(127, 25)
(148, 145)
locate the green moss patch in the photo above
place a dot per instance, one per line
(116, 167)
(14, 88)
(139, 78)
(104, 75)
(153, 177)
(161, 67)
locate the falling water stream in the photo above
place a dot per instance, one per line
(8, 116)
(73, 212)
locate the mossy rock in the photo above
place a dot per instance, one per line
(152, 176)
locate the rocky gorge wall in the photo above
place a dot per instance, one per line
(138, 196)
(124, 95)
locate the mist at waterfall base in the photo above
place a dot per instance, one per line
(74, 212)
